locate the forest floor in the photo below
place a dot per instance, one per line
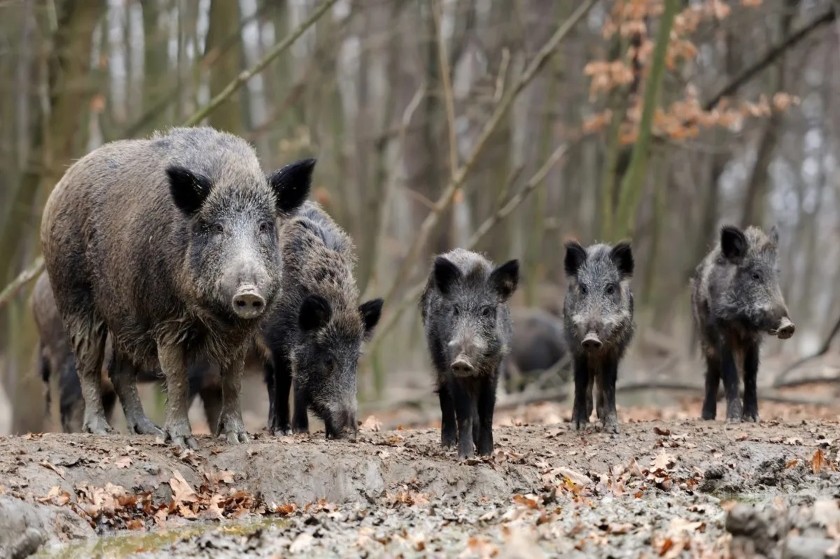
(668, 485)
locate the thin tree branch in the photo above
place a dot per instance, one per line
(275, 51)
(769, 57)
(826, 345)
(22, 279)
(446, 85)
(458, 179)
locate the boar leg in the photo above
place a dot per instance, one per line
(268, 377)
(88, 340)
(300, 420)
(124, 378)
(176, 427)
(231, 425)
(448, 429)
(729, 372)
(282, 386)
(750, 380)
(712, 384)
(579, 415)
(486, 404)
(464, 406)
(606, 396)
(212, 399)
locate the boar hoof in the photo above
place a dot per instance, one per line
(97, 425)
(611, 426)
(284, 431)
(180, 436)
(143, 426)
(751, 416)
(448, 440)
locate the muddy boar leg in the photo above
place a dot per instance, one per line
(124, 378)
(448, 428)
(231, 425)
(486, 404)
(750, 381)
(582, 384)
(464, 414)
(89, 343)
(590, 389)
(300, 420)
(176, 427)
(729, 372)
(712, 384)
(606, 396)
(282, 384)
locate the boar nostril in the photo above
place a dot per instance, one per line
(592, 341)
(462, 367)
(248, 304)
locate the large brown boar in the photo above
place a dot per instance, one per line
(736, 298)
(170, 244)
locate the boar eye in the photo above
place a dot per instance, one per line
(455, 310)
(487, 311)
(265, 227)
(756, 276)
(610, 289)
(583, 289)
(329, 361)
(217, 229)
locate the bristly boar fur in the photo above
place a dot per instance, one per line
(736, 297)
(317, 329)
(170, 244)
(468, 330)
(598, 321)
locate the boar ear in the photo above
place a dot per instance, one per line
(733, 242)
(291, 184)
(446, 274)
(315, 313)
(504, 279)
(370, 311)
(575, 257)
(189, 190)
(622, 256)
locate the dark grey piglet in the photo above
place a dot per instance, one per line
(598, 319)
(736, 298)
(468, 331)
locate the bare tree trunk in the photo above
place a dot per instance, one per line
(224, 17)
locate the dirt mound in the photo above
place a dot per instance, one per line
(656, 486)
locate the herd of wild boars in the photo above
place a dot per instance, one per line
(178, 257)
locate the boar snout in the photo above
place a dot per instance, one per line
(785, 329)
(248, 303)
(462, 366)
(591, 341)
(340, 422)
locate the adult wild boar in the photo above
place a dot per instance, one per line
(468, 330)
(170, 244)
(598, 321)
(736, 297)
(316, 331)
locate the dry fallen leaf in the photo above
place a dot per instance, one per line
(182, 492)
(371, 424)
(663, 461)
(54, 468)
(818, 461)
(662, 432)
(530, 501)
(123, 462)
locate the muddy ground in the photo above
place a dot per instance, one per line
(660, 488)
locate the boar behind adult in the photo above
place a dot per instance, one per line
(736, 297)
(168, 243)
(317, 329)
(468, 330)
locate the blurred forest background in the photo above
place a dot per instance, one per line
(503, 125)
